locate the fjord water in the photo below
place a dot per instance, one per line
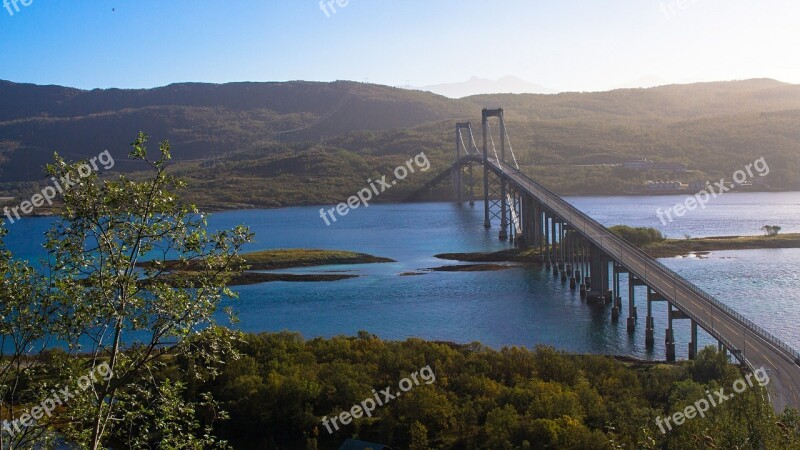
(520, 306)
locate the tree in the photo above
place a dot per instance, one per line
(639, 236)
(771, 230)
(419, 437)
(130, 315)
(26, 326)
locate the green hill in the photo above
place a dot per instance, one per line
(300, 142)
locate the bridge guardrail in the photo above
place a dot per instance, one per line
(561, 204)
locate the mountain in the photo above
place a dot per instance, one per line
(644, 82)
(200, 120)
(306, 142)
(478, 86)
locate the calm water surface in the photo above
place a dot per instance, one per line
(521, 306)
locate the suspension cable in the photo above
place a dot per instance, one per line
(494, 149)
(505, 129)
(461, 137)
(474, 144)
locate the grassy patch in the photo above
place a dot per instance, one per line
(472, 268)
(284, 259)
(676, 247)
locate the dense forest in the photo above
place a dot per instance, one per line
(282, 386)
(261, 144)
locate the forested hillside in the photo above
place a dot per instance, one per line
(282, 387)
(260, 143)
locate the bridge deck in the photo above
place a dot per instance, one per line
(749, 342)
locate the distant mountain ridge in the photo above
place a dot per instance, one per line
(358, 120)
(199, 119)
(482, 86)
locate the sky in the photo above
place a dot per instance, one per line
(571, 45)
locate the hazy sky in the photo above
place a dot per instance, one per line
(561, 44)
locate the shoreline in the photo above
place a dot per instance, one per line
(672, 248)
(669, 248)
(216, 207)
(257, 262)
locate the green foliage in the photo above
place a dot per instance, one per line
(771, 230)
(280, 389)
(638, 236)
(114, 316)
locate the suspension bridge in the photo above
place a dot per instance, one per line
(593, 260)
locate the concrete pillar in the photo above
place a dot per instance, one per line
(553, 257)
(536, 226)
(539, 230)
(561, 253)
(529, 221)
(631, 304)
(546, 230)
(580, 276)
(567, 251)
(563, 250)
(669, 340)
(598, 275)
(693, 341)
(608, 293)
(650, 329)
(547, 240)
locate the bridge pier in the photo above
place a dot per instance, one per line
(598, 274)
(669, 339)
(650, 328)
(609, 293)
(547, 239)
(617, 300)
(722, 349)
(538, 235)
(563, 248)
(693, 341)
(632, 314)
(527, 221)
(553, 257)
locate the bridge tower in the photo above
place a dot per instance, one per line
(458, 184)
(486, 114)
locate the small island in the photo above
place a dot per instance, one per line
(651, 241)
(276, 260)
(680, 247)
(300, 257)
